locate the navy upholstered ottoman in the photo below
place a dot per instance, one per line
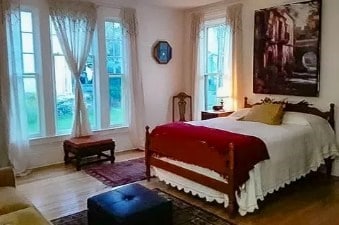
(129, 205)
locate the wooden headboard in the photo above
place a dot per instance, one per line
(303, 107)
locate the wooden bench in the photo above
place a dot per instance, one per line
(83, 147)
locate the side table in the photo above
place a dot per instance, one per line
(205, 115)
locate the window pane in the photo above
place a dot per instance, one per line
(32, 106)
(88, 90)
(52, 27)
(117, 48)
(117, 29)
(27, 43)
(109, 47)
(215, 48)
(114, 65)
(116, 106)
(109, 31)
(211, 84)
(29, 63)
(113, 30)
(114, 47)
(64, 95)
(26, 22)
(87, 82)
(56, 45)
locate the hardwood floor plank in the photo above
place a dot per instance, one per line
(60, 190)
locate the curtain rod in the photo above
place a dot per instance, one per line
(213, 5)
(111, 4)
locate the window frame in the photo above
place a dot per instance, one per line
(123, 76)
(45, 75)
(35, 17)
(220, 75)
(53, 55)
(55, 110)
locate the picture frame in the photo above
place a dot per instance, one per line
(287, 49)
(162, 52)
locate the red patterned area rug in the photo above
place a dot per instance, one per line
(119, 173)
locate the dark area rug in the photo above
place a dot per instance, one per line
(119, 173)
(184, 213)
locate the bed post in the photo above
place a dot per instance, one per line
(232, 205)
(245, 102)
(329, 161)
(331, 116)
(147, 154)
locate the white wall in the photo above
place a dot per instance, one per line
(160, 81)
(329, 72)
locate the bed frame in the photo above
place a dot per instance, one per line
(228, 188)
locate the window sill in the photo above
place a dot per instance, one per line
(61, 138)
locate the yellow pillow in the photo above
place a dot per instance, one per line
(271, 114)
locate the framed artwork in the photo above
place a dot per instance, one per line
(162, 52)
(287, 49)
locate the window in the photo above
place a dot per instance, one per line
(29, 72)
(115, 70)
(64, 87)
(48, 84)
(213, 51)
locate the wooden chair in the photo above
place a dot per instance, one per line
(182, 107)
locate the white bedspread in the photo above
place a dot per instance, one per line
(294, 151)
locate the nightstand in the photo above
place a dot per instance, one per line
(205, 115)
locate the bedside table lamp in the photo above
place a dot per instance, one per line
(222, 93)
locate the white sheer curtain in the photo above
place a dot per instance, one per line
(233, 49)
(228, 79)
(74, 23)
(197, 64)
(4, 90)
(137, 105)
(18, 132)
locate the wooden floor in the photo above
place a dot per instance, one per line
(59, 190)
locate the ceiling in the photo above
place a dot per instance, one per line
(182, 4)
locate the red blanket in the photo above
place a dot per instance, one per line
(175, 140)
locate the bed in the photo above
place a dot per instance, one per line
(295, 149)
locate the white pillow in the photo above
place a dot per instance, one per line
(302, 119)
(313, 119)
(240, 113)
(295, 118)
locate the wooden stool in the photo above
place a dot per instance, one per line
(82, 147)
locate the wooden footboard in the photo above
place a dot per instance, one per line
(227, 188)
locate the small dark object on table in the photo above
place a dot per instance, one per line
(217, 107)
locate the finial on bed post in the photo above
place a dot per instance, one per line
(245, 102)
(147, 130)
(331, 118)
(147, 154)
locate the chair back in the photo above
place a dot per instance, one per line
(182, 107)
